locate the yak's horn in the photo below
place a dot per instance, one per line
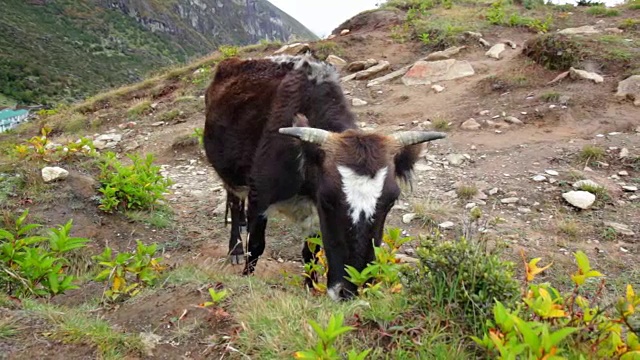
(406, 138)
(310, 135)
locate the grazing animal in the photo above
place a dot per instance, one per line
(280, 135)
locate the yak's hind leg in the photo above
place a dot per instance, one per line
(238, 221)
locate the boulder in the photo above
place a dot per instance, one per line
(53, 173)
(293, 49)
(582, 74)
(495, 51)
(361, 65)
(427, 72)
(390, 76)
(372, 71)
(582, 30)
(629, 88)
(444, 54)
(580, 199)
(338, 62)
(470, 124)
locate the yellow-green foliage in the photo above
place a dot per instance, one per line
(547, 324)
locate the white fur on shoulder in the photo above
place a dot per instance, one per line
(320, 71)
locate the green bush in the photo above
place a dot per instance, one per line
(461, 278)
(229, 51)
(139, 186)
(36, 265)
(575, 325)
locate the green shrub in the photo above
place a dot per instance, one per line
(462, 279)
(127, 272)
(139, 186)
(229, 51)
(601, 10)
(496, 13)
(141, 107)
(36, 265)
(38, 148)
(575, 325)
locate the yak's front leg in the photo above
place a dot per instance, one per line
(236, 251)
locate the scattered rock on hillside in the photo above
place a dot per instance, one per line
(582, 30)
(390, 76)
(539, 178)
(361, 65)
(484, 42)
(470, 124)
(344, 32)
(624, 152)
(513, 120)
(53, 173)
(613, 30)
(473, 34)
(427, 72)
(510, 43)
(358, 102)
(495, 51)
(293, 49)
(407, 218)
(446, 225)
(630, 188)
(444, 54)
(107, 141)
(620, 228)
(580, 199)
(586, 183)
(338, 62)
(582, 74)
(510, 200)
(437, 88)
(372, 71)
(456, 159)
(630, 88)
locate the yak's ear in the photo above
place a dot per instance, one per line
(404, 161)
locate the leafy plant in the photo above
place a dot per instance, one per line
(135, 187)
(199, 134)
(324, 348)
(127, 272)
(32, 264)
(547, 324)
(461, 278)
(216, 297)
(496, 13)
(229, 51)
(38, 148)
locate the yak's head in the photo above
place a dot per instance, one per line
(358, 175)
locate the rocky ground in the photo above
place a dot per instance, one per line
(519, 148)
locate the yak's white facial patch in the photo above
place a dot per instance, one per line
(362, 192)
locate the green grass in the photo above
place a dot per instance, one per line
(592, 153)
(441, 125)
(7, 329)
(466, 192)
(569, 228)
(141, 107)
(79, 326)
(602, 11)
(550, 96)
(160, 219)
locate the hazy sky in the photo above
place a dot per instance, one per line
(322, 16)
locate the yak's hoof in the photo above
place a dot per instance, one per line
(237, 259)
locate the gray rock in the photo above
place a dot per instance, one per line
(456, 159)
(552, 172)
(358, 102)
(495, 51)
(390, 76)
(586, 75)
(293, 49)
(494, 191)
(539, 178)
(580, 199)
(446, 225)
(338, 62)
(624, 152)
(510, 200)
(470, 124)
(444, 54)
(630, 88)
(437, 88)
(620, 228)
(372, 71)
(513, 120)
(630, 188)
(361, 65)
(484, 42)
(427, 72)
(105, 141)
(581, 183)
(53, 173)
(582, 30)
(476, 35)
(407, 218)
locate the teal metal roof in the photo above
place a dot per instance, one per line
(8, 113)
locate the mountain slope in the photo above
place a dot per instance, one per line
(67, 49)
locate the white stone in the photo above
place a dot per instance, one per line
(630, 188)
(552, 172)
(620, 228)
(629, 88)
(470, 124)
(358, 102)
(579, 199)
(407, 218)
(495, 51)
(582, 74)
(52, 173)
(428, 72)
(624, 152)
(539, 178)
(437, 88)
(510, 200)
(582, 30)
(447, 225)
(513, 120)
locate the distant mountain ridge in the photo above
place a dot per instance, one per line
(52, 50)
